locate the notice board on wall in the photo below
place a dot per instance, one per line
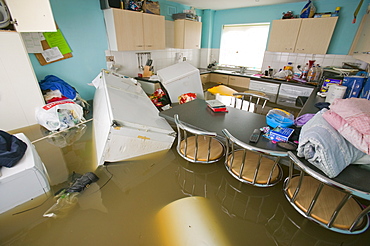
(55, 48)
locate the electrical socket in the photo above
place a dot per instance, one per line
(109, 58)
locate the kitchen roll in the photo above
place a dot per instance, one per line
(335, 91)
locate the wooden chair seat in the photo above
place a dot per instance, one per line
(250, 166)
(216, 149)
(197, 146)
(326, 203)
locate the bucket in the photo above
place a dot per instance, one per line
(335, 91)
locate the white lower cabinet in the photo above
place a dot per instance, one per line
(266, 87)
(294, 91)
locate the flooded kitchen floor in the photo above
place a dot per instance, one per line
(126, 205)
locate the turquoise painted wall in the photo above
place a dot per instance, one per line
(207, 27)
(168, 8)
(342, 37)
(82, 25)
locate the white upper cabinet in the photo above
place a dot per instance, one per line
(131, 30)
(32, 15)
(361, 44)
(307, 35)
(187, 34)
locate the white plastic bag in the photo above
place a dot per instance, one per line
(59, 115)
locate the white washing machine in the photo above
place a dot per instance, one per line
(24, 181)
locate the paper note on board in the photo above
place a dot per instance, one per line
(56, 39)
(32, 41)
(52, 54)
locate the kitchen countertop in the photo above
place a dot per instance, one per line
(275, 100)
(253, 77)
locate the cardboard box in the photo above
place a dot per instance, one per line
(280, 134)
(354, 85)
(151, 7)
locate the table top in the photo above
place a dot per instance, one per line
(238, 122)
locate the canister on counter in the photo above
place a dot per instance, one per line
(335, 91)
(327, 82)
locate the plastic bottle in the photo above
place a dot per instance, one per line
(336, 12)
(311, 74)
(305, 71)
(318, 72)
(289, 66)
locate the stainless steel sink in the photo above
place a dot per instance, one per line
(246, 73)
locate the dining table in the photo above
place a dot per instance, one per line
(240, 123)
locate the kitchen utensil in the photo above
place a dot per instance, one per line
(149, 62)
(141, 62)
(138, 61)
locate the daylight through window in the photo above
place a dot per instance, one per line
(244, 45)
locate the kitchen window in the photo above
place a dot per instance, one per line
(244, 45)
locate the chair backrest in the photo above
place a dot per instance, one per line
(322, 200)
(254, 101)
(198, 146)
(252, 165)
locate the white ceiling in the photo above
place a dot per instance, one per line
(230, 4)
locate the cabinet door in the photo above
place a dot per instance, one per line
(361, 44)
(204, 78)
(187, 34)
(20, 93)
(32, 15)
(283, 35)
(193, 30)
(315, 35)
(266, 87)
(219, 78)
(242, 82)
(128, 27)
(154, 32)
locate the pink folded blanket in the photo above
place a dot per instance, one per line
(351, 118)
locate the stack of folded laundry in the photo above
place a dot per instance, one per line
(337, 137)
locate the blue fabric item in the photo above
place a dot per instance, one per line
(321, 105)
(276, 120)
(325, 148)
(12, 149)
(53, 83)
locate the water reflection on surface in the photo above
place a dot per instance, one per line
(121, 208)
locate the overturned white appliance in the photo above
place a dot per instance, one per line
(179, 79)
(25, 181)
(126, 122)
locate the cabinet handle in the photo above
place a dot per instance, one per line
(149, 45)
(140, 45)
(366, 52)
